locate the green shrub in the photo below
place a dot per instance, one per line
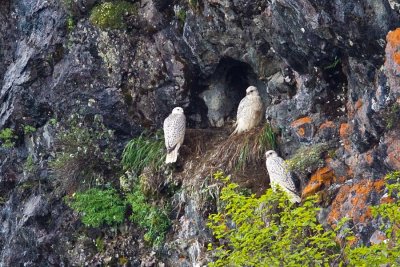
(98, 206)
(29, 165)
(144, 152)
(84, 151)
(386, 253)
(7, 138)
(268, 231)
(28, 129)
(110, 15)
(152, 219)
(306, 158)
(391, 116)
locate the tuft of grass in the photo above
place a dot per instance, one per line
(110, 15)
(98, 206)
(239, 151)
(144, 151)
(307, 158)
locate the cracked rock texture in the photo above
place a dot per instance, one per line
(328, 72)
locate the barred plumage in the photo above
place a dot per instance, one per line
(174, 133)
(280, 175)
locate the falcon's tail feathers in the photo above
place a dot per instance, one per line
(294, 198)
(172, 156)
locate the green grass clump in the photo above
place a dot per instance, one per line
(268, 231)
(7, 138)
(306, 158)
(98, 206)
(152, 219)
(144, 151)
(254, 145)
(110, 15)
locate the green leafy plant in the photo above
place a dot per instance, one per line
(193, 4)
(29, 165)
(110, 15)
(98, 206)
(268, 231)
(28, 129)
(99, 243)
(53, 121)
(7, 138)
(307, 158)
(387, 252)
(69, 6)
(180, 14)
(152, 219)
(144, 151)
(391, 116)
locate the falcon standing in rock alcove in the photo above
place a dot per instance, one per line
(174, 133)
(250, 111)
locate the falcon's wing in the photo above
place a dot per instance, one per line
(279, 172)
(174, 130)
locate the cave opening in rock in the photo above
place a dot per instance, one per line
(219, 95)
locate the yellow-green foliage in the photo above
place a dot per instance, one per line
(98, 206)
(110, 15)
(306, 157)
(268, 231)
(386, 253)
(144, 151)
(7, 138)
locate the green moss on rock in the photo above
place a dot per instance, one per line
(110, 15)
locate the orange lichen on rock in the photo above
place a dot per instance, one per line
(393, 39)
(352, 201)
(300, 122)
(323, 177)
(344, 133)
(344, 130)
(327, 124)
(358, 104)
(303, 127)
(369, 158)
(301, 131)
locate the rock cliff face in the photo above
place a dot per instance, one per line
(328, 72)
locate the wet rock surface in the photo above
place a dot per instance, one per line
(328, 72)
